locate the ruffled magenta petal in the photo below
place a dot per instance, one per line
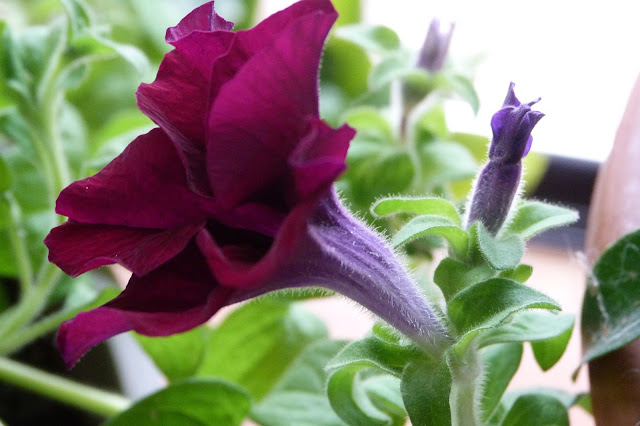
(260, 115)
(203, 18)
(176, 297)
(145, 187)
(233, 265)
(319, 158)
(80, 247)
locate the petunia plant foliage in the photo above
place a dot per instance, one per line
(299, 158)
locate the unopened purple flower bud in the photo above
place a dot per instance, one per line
(436, 45)
(498, 183)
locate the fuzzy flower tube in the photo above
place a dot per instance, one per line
(231, 196)
(499, 181)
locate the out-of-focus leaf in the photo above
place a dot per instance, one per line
(201, 402)
(300, 399)
(346, 65)
(445, 162)
(371, 38)
(610, 314)
(256, 344)
(177, 356)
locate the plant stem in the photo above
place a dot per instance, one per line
(17, 238)
(30, 305)
(466, 375)
(78, 395)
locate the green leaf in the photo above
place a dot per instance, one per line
(422, 206)
(386, 170)
(371, 38)
(6, 179)
(421, 226)
(536, 410)
(78, 14)
(363, 397)
(299, 398)
(201, 402)
(548, 352)
(501, 253)
(520, 273)
(489, 303)
(370, 124)
(241, 12)
(346, 65)
(374, 352)
(534, 217)
(177, 356)
(528, 326)
(349, 11)
(392, 67)
(610, 314)
(500, 364)
(426, 387)
(460, 85)
(445, 162)
(431, 125)
(452, 276)
(255, 345)
(112, 138)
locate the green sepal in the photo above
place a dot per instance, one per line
(422, 206)
(193, 402)
(610, 314)
(534, 217)
(424, 225)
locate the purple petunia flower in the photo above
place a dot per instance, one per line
(231, 196)
(499, 181)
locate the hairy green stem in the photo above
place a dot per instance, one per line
(465, 388)
(67, 391)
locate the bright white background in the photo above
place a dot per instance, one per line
(581, 57)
